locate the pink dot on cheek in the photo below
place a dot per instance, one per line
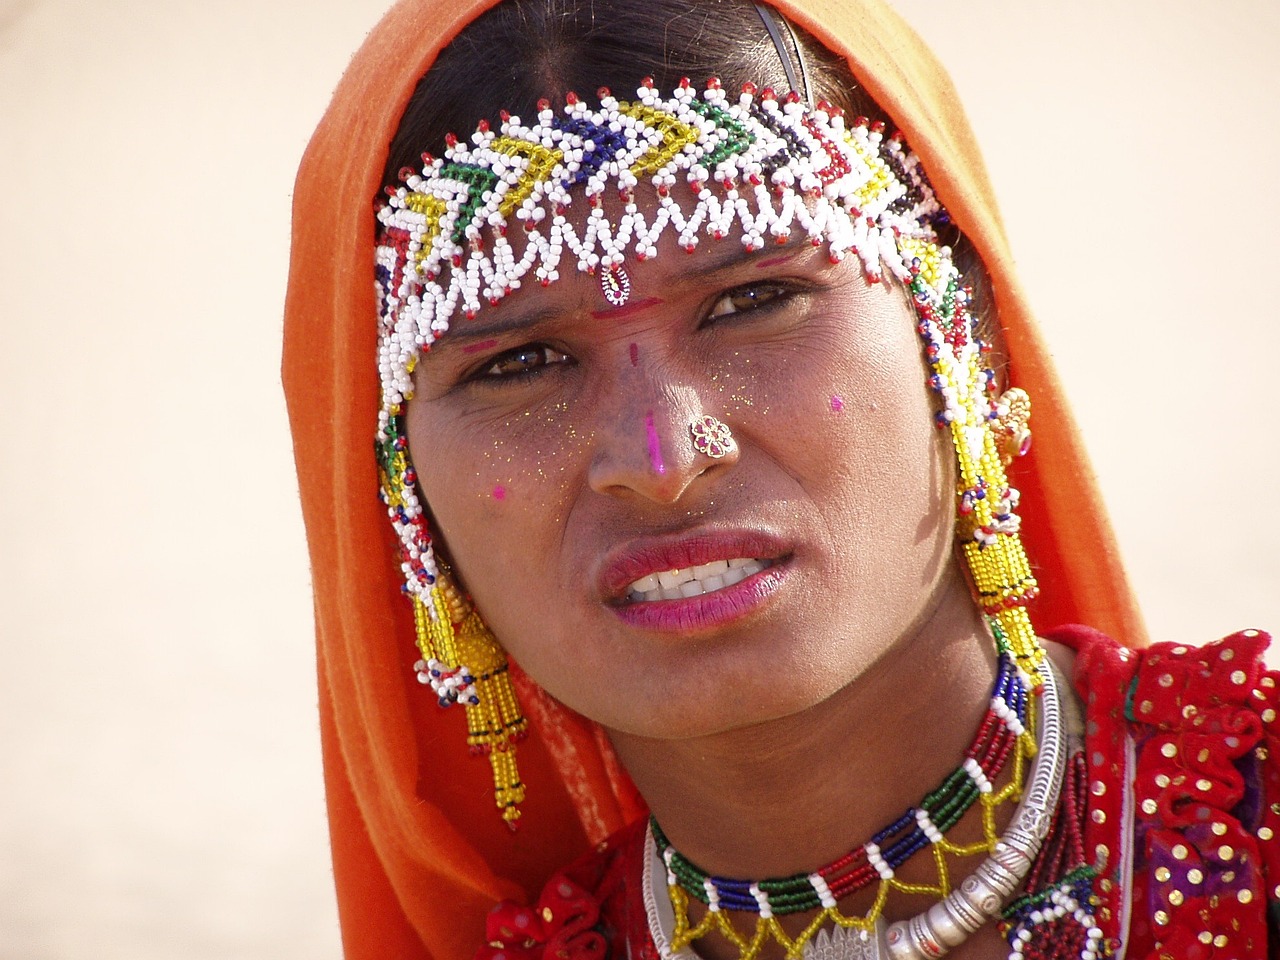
(837, 405)
(635, 354)
(499, 492)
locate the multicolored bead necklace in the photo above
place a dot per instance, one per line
(1003, 732)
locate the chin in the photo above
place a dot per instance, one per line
(716, 707)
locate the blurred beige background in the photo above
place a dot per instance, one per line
(159, 784)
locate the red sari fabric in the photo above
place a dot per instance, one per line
(419, 858)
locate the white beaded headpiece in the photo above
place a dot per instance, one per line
(756, 166)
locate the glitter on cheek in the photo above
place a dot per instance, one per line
(477, 347)
(837, 404)
(635, 354)
(499, 492)
(655, 448)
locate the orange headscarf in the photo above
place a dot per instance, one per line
(419, 853)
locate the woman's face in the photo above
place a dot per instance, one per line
(552, 441)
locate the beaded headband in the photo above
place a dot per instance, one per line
(492, 213)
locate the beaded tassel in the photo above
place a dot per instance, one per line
(1055, 920)
(1004, 732)
(463, 663)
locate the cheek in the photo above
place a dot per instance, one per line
(503, 481)
(853, 422)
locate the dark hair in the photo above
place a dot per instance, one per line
(521, 51)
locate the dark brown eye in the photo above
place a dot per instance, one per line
(743, 299)
(527, 359)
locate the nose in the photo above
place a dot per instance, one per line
(660, 448)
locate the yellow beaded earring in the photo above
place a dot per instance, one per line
(463, 663)
(987, 522)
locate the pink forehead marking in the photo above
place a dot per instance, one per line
(836, 403)
(635, 354)
(477, 347)
(499, 492)
(773, 261)
(617, 313)
(655, 448)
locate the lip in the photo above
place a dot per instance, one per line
(632, 561)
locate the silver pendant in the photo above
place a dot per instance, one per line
(615, 284)
(847, 943)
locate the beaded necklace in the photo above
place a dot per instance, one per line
(1004, 731)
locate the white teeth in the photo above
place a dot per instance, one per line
(694, 581)
(645, 584)
(712, 569)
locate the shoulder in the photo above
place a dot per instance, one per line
(1184, 774)
(1169, 685)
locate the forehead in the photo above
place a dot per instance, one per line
(673, 276)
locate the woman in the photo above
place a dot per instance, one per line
(702, 500)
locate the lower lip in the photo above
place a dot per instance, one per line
(707, 610)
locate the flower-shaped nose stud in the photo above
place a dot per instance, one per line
(712, 437)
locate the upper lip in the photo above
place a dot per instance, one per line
(629, 562)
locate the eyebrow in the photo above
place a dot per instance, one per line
(469, 332)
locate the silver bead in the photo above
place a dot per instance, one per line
(1015, 853)
(966, 916)
(898, 942)
(949, 928)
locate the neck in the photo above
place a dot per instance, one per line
(792, 794)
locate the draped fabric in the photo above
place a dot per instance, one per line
(419, 855)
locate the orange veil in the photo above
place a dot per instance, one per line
(419, 853)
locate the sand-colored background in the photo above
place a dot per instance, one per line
(159, 783)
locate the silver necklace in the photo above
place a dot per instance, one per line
(950, 921)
